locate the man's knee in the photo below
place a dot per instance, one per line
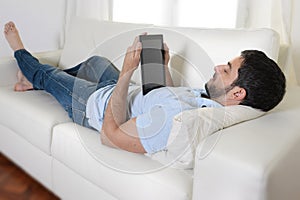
(99, 60)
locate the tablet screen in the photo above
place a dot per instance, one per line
(152, 62)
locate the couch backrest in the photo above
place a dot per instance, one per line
(194, 51)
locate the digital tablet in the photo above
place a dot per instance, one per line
(152, 62)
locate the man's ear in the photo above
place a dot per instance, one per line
(237, 93)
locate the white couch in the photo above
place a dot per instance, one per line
(258, 159)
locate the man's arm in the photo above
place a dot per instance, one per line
(116, 131)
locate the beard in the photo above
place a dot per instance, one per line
(216, 92)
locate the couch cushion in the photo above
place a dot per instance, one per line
(192, 127)
(125, 175)
(224, 44)
(189, 47)
(189, 65)
(84, 35)
(31, 114)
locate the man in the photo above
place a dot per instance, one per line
(96, 95)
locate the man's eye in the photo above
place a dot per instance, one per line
(225, 71)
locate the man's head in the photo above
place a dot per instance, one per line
(251, 79)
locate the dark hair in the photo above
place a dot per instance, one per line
(262, 79)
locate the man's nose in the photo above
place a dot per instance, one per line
(218, 68)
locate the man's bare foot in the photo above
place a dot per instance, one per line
(14, 40)
(12, 36)
(23, 84)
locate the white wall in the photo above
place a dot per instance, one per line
(40, 23)
(296, 39)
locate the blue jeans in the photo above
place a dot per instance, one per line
(71, 87)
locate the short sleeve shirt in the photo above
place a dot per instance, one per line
(154, 112)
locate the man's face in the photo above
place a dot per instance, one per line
(224, 75)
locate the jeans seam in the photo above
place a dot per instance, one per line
(43, 70)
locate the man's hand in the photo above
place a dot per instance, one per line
(166, 54)
(169, 80)
(132, 58)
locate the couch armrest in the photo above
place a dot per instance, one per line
(257, 160)
(9, 66)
